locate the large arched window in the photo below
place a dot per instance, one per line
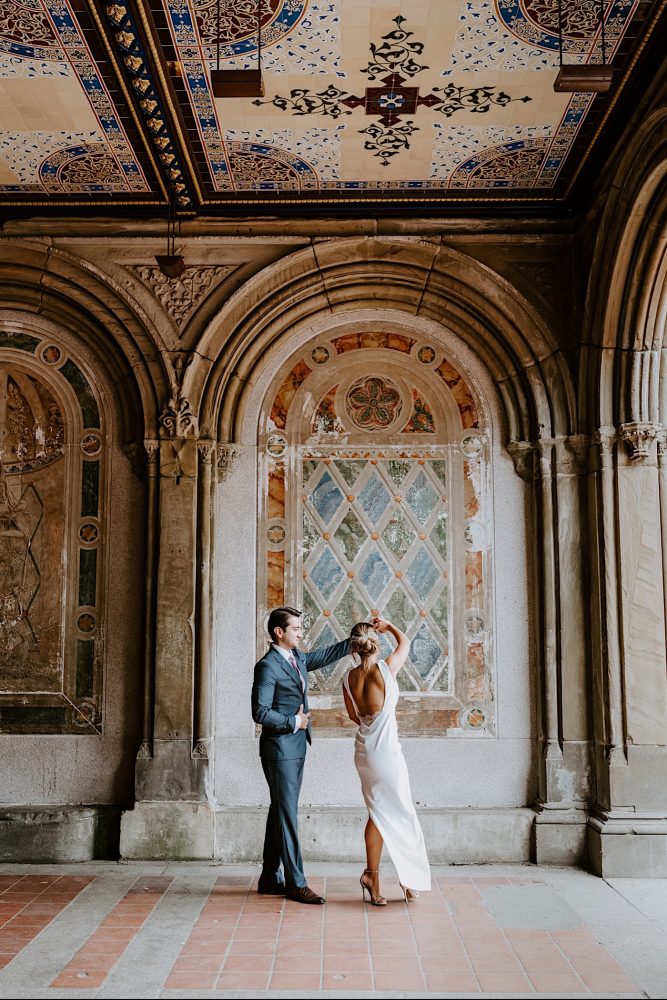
(374, 498)
(52, 481)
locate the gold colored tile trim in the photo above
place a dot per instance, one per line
(126, 94)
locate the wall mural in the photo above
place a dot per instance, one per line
(51, 540)
(377, 502)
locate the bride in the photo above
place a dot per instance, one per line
(371, 693)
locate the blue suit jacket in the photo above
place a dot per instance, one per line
(277, 694)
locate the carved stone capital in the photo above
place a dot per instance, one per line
(226, 456)
(205, 448)
(152, 448)
(522, 454)
(200, 750)
(605, 438)
(639, 436)
(177, 418)
(144, 752)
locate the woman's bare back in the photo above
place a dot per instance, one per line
(367, 689)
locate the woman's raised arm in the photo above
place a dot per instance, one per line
(396, 659)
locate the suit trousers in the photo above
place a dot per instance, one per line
(281, 841)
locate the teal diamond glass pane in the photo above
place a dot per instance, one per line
(442, 681)
(439, 535)
(351, 609)
(309, 467)
(350, 471)
(400, 610)
(374, 575)
(440, 613)
(398, 471)
(351, 535)
(326, 498)
(398, 535)
(421, 497)
(310, 533)
(374, 498)
(424, 652)
(387, 646)
(311, 611)
(440, 469)
(423, 573)
(326, 574)
(324, 639)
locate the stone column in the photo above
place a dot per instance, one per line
(554, 469)
(627, 832)
(173, 817)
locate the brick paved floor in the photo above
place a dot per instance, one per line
(194, 930)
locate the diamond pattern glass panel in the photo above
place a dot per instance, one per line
(439, 535)
(351, 609)
(350, 470)
(423, 573)
(424, 652)
(326, 638)
(398, 534)
(400, 610)
(440, 469)
(374, 498)
(421, 497)
(326, 574)
(326, 498)
(310, 533)
(351, 535)
(406, 681)
(309, 467)
(440, 613)
(375, 574)
(398, 471)
(311, 610)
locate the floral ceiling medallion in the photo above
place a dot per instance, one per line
(395, 57)
(373, 403)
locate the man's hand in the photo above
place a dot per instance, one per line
(380, 625)
(304, 718)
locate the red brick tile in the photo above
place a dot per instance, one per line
(243, 981)
(554, 982)
(456, 964)
(248, 963)
(191, 979)
(206, 948)
(442, 982)
(398, 981)
(78, 980)
(298, 963)
(391, 946)
(204, 963)
(295, 981)
(249, 947)
(607, 982)
(346, 963)
(92, 962)
(343, 946)
(298, 947)
(346, 981)
(503, 982)
(545, 962)
(496, 963)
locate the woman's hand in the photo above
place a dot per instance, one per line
(380, 625)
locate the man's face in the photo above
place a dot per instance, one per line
(291, 635)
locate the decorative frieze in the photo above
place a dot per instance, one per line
(181, 296)
(177, 418)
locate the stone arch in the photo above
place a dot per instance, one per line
(418, 278)
(39, 280)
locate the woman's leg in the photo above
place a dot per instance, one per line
(374, 844)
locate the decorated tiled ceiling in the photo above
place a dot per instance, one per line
(364, 100)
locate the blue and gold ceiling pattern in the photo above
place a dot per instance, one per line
(435, 101)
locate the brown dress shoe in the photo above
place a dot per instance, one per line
(303, 895)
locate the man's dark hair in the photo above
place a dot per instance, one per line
(279, 618)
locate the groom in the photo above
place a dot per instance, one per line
(280, 707)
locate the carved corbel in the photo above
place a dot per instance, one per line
(522, 454)
(639, 435)
(205, 448)
(572, 454)
(226, 456)
(177, 418)
(152, 448)
(200, 750)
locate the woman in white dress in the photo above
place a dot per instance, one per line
(371, 693)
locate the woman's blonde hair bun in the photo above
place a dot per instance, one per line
(364, 642)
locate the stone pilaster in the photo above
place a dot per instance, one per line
(628, 829)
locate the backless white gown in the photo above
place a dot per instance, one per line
(385, 785)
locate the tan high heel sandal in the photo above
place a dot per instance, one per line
(365, 887)
(409, 893)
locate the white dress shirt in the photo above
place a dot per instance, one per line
(287, 654)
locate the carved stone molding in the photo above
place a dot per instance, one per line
(522, 454)
(181, 296)
(639, 436)
(177, 418)
(226, 456)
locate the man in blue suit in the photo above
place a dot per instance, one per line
(280, 707)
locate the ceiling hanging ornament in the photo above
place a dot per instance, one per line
(588, 78)
(171, 264)
(237, 82)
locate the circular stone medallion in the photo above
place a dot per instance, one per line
(91, 444)
(51, 354)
